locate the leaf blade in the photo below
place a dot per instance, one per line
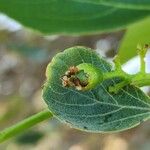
(96, 110)
(75, 17)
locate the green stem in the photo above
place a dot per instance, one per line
(142, 50)
(117, 73)
(141, 79)
(25, 124)
(142, 67)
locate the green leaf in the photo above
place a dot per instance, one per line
(130, 4)
(68, 16)
(138, 33)
(96, 110)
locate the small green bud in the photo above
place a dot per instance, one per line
(93, 74)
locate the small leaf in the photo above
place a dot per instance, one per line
(95, 110)
(68, 16)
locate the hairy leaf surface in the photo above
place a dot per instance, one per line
(96, 110)
(68, 16)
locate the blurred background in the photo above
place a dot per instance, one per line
(24, 55)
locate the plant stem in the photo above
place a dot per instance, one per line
(117, 73)
(140, 79)
(25, 124)
(142, 50)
